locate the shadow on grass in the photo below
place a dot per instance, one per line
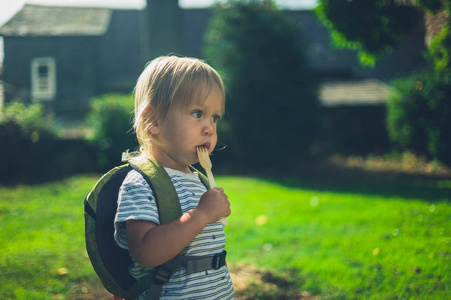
(249, 282)
(342, 179)
(434, 188)
(255, 283)
(383, 184)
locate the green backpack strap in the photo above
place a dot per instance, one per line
(169, 210)
(167, 200)
(202, 177)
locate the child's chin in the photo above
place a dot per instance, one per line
(194, 160)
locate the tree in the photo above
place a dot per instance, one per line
(419, 110)
(373, 28)
(271, 103)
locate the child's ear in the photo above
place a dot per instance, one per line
(154, 128)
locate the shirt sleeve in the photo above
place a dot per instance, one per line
(136, 201)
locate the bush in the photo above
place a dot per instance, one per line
(419, 115)
(31, 121)
(110, 119)
(31, 150)
(419, 112)
(25, 133)
(271, 101)
(440, 49)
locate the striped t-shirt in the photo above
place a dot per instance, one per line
(136, 201)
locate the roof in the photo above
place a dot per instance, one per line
(354, 93)
(43, 20)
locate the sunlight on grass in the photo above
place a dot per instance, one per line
(331, 238)
(42, 232)
(362, 242)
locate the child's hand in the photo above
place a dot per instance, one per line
(214, 204)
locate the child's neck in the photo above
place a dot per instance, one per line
(166, 162)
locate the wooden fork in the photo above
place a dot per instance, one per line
(205, 162)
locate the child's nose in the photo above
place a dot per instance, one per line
(209, 128)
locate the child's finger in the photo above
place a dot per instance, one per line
(218, 188)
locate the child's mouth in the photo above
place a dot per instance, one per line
(207, 145)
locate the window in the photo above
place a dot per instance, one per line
(43, 78)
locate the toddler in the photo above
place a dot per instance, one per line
(178, 103)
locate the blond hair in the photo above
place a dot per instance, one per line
(165, 81)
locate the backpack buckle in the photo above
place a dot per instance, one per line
(162, 275)
(218, 260)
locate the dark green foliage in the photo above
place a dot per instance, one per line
(271, 101)
(440, 49)
(419, 115)
(419, 111)
(25, 140)
(371, 27)
(433, 6)
(31, 150)
(110, 118)
(31, 121)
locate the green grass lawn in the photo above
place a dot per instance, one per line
(377, 240)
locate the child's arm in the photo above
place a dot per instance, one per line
(153, 245)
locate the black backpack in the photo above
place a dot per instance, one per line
(110, 262)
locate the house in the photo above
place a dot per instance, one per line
(63, 56)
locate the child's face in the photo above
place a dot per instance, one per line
(185, 128)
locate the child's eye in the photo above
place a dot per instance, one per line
(197, 114)
(216, 118)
